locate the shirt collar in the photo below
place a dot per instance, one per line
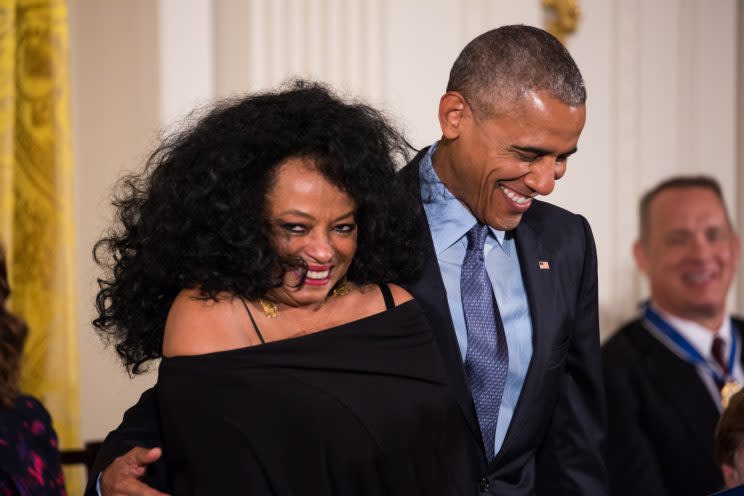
(698, 336)
(449, 220)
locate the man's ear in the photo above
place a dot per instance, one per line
(452, 107)
(639, 253)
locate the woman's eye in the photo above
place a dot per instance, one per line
(345, 228)
(293, 228)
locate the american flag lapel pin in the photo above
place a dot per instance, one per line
(544, 265)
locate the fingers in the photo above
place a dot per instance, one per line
(144, 456)
(133, 487)
(121, 478)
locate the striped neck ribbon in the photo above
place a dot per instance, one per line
(685, 349)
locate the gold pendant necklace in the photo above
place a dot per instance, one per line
(270, 309)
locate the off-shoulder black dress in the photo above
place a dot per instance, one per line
(359, 409)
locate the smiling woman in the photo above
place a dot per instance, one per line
(312, 227)
(197, 218)
(255, 255)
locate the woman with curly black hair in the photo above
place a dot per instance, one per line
(255, 255)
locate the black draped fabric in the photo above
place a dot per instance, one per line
(359, 409)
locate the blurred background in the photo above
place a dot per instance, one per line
(664, 79)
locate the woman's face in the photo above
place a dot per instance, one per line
(311, 219)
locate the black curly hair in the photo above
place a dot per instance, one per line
(195, 217)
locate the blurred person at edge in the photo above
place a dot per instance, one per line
(666, 372)
(29, 455)
(729, 442)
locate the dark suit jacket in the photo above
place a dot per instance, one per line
(554, 442)
(661, 419)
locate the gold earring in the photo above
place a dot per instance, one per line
(342, 288)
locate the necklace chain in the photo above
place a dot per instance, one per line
(271, 310)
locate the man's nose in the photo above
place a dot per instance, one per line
(541, 178)
(700, 247)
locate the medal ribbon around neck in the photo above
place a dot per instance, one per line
(685, 349)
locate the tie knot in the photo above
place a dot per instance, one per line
(717, 352)
(477, 237)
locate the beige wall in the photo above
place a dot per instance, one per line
(661, 77)
(115, 112)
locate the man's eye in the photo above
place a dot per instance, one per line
(345, 228)
(714, 235)
(677, 239)
(528, 158)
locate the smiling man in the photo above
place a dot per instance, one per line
(666, 372)
(510, 284)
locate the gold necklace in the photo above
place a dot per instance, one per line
(270, 309)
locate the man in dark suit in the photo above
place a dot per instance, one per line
(665, 372)
(510, 283)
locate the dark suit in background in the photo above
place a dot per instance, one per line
(661, 414)
(662, 418)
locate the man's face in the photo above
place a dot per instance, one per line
(690, 254)
(496, 165)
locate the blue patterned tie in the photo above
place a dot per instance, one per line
(487, 359)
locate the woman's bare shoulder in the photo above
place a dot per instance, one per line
(400, 295)
(372, 292)
(196, 325)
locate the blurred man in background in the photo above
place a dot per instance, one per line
(666, 371)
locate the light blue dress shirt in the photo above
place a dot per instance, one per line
(449, 221)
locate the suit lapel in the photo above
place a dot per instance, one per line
(431, 294)
(538, 285)
(678, 381)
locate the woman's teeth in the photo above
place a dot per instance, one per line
(312, 274)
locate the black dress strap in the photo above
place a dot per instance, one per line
(258, 333)
(387, 295)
